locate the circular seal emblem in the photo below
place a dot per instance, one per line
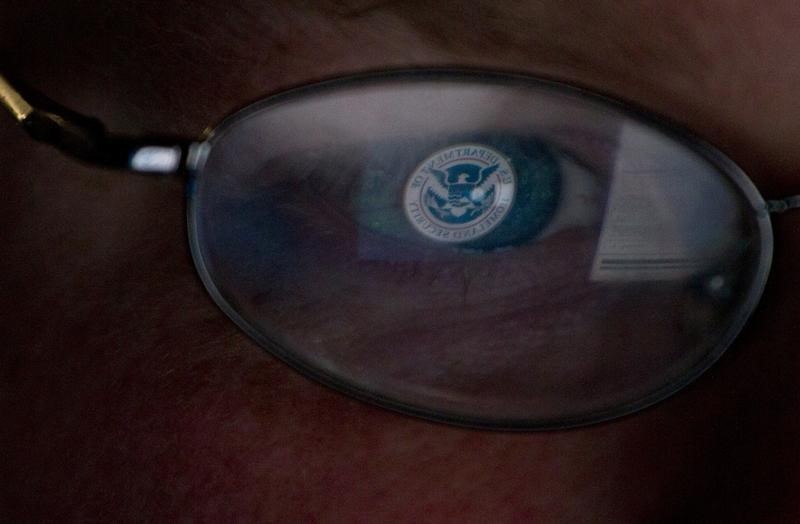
(460, 193)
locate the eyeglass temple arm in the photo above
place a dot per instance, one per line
(86, 138)
(784, 204)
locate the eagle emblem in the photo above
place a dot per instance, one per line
(459, 193)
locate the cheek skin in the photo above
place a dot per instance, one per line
(125, 392)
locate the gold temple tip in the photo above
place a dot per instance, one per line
(13, 101)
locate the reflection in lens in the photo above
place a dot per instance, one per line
(487, 193)
(623, 267)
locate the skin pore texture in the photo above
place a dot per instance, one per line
(126, 394)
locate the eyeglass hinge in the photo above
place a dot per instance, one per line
(784, 204)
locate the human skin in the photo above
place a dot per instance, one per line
(127, 395)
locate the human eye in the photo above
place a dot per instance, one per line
(479, 192)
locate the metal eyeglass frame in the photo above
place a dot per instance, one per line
(86, 139)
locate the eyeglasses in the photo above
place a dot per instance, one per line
(482, 249)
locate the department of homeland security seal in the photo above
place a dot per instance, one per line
(460, 193)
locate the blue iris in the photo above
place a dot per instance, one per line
(388, 165)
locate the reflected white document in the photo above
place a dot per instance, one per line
(668, 216)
